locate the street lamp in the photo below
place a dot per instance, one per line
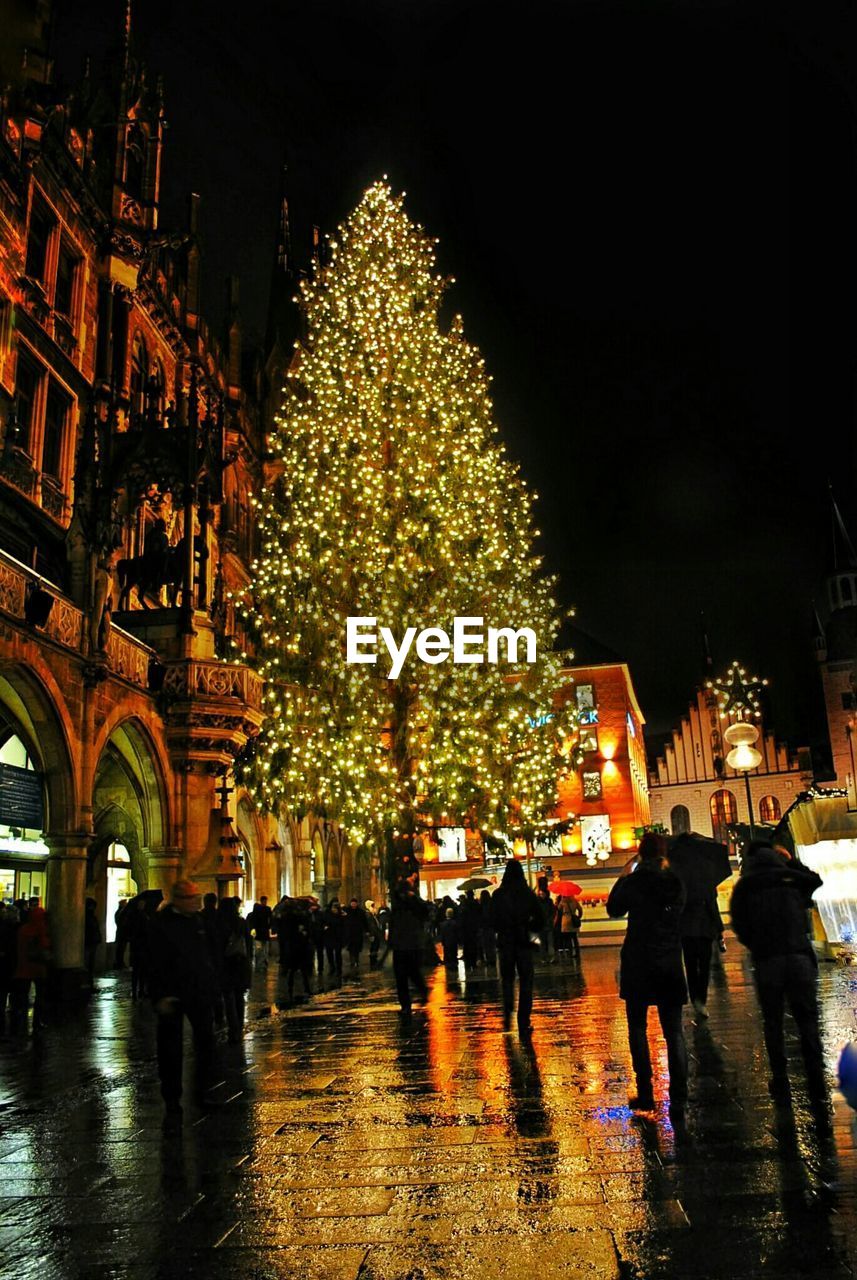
(743, 757)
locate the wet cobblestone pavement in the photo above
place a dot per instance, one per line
(351, 1148)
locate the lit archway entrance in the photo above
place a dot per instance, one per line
(23, 852)
(120, 885)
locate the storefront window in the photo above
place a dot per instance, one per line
(22, 853)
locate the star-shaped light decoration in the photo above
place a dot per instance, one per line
(738, 693)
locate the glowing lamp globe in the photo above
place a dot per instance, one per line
(741, 734)
(744, 757)
(848, 1074)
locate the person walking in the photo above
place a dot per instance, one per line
(651, 971)
(91, 940)
(294, 933)
(700, 925)
(546, 939)
(182, 984)
(487, 934)
(376, 934)
(259, 923)
(571, 915)
(31, 969)
(315, 925)
(769, 916)
(448, 934)
(355, 930)
(407, 938)
(517, 918)
(234, 952)
(334, 938)
(9, 926)
(469, 921)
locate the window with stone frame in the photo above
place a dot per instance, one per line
(42, 225)
(57, 408)
(64, 291)
(27, 387)
(592, 785)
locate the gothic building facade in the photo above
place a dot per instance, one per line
(131, 440)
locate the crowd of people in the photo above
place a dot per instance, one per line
(194, 957)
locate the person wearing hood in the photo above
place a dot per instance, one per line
(769, 916)
(651, 970)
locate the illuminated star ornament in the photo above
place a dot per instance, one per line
(738, 693)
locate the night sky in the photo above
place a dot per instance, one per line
(650, 210)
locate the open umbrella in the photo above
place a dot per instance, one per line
(474, 883)
(701, 863)
(565, 888)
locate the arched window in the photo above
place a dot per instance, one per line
(134, 161)
(724, 813)
(769, 809)
(139, 375)
(679, 819)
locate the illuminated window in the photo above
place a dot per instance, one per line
(724, 813)
(592, 786)
(679, 819)
(588, 738)
(596, 838)
(769, 809)
(586, 704)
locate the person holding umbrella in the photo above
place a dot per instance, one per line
(651, 971)
(701, 864)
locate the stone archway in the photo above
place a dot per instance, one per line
(129, 807)
(34, 709)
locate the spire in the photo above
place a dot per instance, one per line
(843, 537)
(283, 319)
(707, 663)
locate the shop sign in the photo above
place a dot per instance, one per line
(21, 802)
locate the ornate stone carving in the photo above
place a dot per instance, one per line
(13, 586)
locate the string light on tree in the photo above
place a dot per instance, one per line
(395, 500)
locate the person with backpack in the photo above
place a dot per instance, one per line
(651, 971)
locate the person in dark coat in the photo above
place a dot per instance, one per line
(294, 931)
(546, 935)
(91, 939)
(356, 928)
(334, 937)
(651, 971)
(769, 916)
(34, 953)
(487, 935)
(469, 921)
(408, 916)
(700, 925)
(183, 984)
(121, 920)
(448, 934)
(376, 933)
(9, 926)
(316, 934)
(517, 917)
(234, 964)
(259, 922)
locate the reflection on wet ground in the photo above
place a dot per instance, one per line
(350, 1146)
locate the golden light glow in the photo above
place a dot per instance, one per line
(396, 500)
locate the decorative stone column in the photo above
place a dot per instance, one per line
(165, 866)
(65, 898)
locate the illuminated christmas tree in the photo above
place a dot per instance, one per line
(394, 500)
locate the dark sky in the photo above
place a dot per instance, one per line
(650, 210)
